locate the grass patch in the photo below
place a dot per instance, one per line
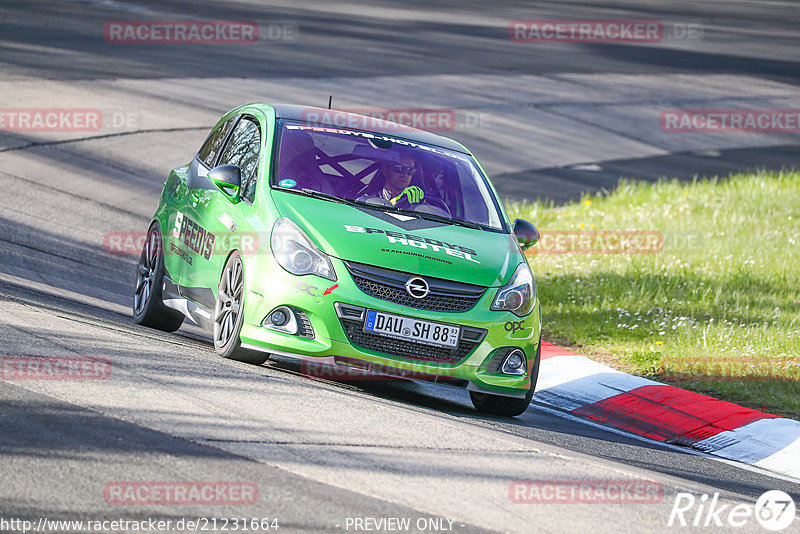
(713, 307)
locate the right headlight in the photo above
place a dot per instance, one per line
(519, 295)
(296, 253)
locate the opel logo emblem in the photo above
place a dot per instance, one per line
(417, 287)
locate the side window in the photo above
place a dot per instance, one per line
(210, 149)
(242, 150)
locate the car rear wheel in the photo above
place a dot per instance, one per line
(229, 314)
(507, 406)
(148, 308)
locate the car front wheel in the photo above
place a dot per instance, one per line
(229, 314)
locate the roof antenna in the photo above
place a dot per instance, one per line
(330, 101)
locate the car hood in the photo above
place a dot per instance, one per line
(364, 235)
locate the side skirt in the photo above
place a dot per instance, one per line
(172, 298)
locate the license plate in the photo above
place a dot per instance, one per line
(410, 329)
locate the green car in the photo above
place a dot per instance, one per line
(348, 242)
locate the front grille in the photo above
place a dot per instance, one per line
(389, 285)
(410, 350)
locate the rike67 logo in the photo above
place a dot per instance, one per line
(774, 510)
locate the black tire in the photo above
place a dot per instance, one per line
(508, 406)
(229, 314)
(148, 308)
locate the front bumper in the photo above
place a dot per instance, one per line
(339, 340)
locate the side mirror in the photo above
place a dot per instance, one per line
(228, 179)
(527, 234)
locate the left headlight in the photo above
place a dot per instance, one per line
(519, 295)
(296, 253)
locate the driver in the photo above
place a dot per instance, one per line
(397, 182)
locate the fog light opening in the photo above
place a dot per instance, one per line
(281, 319)
(514, 363)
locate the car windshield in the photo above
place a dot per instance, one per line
(387, 172)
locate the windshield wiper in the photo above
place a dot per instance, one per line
(319, 194)
(440, 218)
(382, 207)
(419, 214)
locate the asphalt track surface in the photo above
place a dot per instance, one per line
(320, 452)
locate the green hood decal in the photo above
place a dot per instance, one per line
(403, 243)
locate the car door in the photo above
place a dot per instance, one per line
(214, 217)
(188, 184)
